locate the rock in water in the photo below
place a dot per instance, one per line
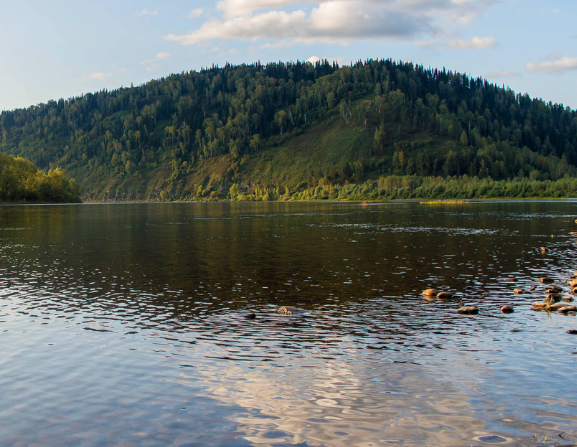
(539, 306)
(468, 310)
(519, 291)
(552, 298)
(546, 280)
(430, 292)
(573, 283)
(250, 316)
(543, 250)
(567, 299)
(444, 295)
(532, 288)
(553, 289)
(507, 309)
(558, 306)
(289, 310)
(572, 331)
(567, 309)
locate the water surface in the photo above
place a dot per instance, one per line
(121, 324)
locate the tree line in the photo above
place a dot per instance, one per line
(21, 181)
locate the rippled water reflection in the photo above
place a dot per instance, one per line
(122, 325)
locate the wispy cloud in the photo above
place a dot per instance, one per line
(429, 43)
(100, 76)
(503, 74)
(150, 65)
(557, 65)
(147, 12)
(195, 13)
(334, 21)
(476, 43)
(153, 64)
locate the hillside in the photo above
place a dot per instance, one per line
(228, 132)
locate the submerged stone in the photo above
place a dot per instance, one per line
(468, 310)
(553, 289)
(445, 295)
(507, 309)
(558, 306)
(567, 309)
(250, 316)
(519, 291)
(494, 439)
(546, 280)
(567, 299)
(572, 331)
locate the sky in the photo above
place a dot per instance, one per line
(66, 48)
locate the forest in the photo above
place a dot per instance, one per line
(21, 181)
(252, 132)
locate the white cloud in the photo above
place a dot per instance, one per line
(99, 76)
(475, 43)
(240, 8)
(314, 59)
(195, 13)
(147, 12)
(163, 55)
(334, 21)
(503, 74)
(272, 24)
(553, 66)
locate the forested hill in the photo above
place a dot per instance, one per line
(288, 127)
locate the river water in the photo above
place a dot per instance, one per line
(122, 324)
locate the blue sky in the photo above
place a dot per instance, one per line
(65, 48)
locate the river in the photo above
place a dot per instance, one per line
(123, 324)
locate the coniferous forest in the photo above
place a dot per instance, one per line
(375, 129)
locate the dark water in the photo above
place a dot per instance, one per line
(122, 325)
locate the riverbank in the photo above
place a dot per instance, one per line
(382, 189)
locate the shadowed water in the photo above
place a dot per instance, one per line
(122, 324)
